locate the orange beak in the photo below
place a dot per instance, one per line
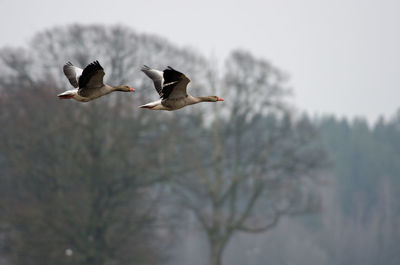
(220, 99)
(132, 89)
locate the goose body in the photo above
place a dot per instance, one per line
(88, 83)
(171, 86)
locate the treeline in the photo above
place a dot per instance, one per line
(363, 157)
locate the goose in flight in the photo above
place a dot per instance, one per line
(171, 86)
(88, 83)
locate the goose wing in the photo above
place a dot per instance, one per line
(72, 73)
(92, 77)
(156, 76)
(174, 85)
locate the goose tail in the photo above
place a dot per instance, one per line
(67, 94)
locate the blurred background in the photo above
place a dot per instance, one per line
(299, 165)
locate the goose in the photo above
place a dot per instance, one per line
(171, 86)
(88, 83)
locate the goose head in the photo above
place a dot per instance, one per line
(210, 99)
(124, 88)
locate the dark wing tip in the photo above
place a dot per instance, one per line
(170, 75)
(145, 68)
(88, 72)
(169, 68)
(95, 66)
(67, 66)
(92, 67)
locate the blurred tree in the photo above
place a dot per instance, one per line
(361, 155)
(78, 176)
(72, 184)
(254, 164)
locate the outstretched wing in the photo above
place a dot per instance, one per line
(156, 76)
(174, 85)
(92, 76)
(72, 73)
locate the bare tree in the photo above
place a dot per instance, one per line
(255, 164)
(78, 176)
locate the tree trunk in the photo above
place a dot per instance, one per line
(216, 249)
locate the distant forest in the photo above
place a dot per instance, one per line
(248, 181)
(363, 157)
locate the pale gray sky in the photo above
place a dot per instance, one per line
(343, 56)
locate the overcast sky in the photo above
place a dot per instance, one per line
(343, 56)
